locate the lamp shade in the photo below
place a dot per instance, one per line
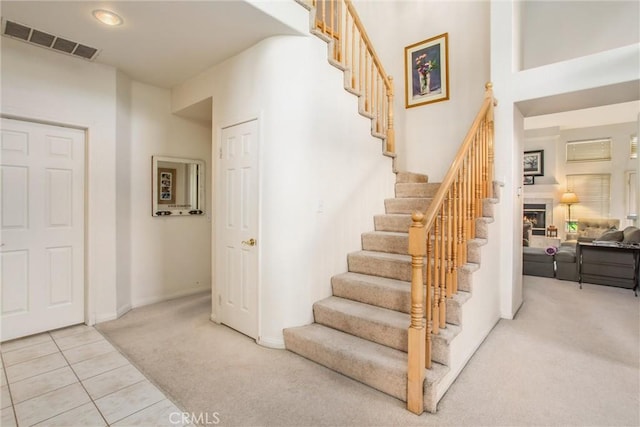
(569, 198)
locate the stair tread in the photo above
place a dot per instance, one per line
(365, 352)
(383, 255)
(376, 280)
(370, 313)
(386, 233)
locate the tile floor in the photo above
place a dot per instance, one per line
(74, 377)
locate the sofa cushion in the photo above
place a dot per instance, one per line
(611, 236)
(566, 254)
(631, 234)
(536, 255)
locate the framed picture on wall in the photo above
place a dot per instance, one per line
(167, 186)
(426, 71)
(533, 163)
(529, 180)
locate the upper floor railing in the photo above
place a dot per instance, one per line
(337, 22)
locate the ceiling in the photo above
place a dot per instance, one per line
(162, 43)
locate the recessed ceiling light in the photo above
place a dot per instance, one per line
(107, 17)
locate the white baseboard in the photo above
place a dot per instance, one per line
(159, 298)
(105, 317)
(123, 310)
(271, 342)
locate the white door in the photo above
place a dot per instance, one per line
(42, 221)
(237, 228)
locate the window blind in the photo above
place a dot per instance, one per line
(593, 191)
(583, 151)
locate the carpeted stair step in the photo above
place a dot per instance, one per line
(474, 249)
(416, 189)
(454, 307)
(392, 266)
(392, 222)
(407, 205)
(380, 325)
(465, 277)
(389, 293)
(402, 177)
(386, 241)
(375, 365)
(441, 344)
(374, 290)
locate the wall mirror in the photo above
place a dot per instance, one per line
(178, 186)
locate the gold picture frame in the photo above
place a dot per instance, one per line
(426, 70)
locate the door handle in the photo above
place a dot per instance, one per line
(250, 242)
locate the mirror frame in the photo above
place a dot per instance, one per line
(197, 210)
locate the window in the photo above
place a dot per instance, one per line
(631, 184)
(589, 150)
(593, 191)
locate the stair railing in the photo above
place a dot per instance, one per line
(438, 238)
(338, 23)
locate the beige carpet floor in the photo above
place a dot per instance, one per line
(571, 357)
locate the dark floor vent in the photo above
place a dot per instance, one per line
(46, 40)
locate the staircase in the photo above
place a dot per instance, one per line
(361, 330)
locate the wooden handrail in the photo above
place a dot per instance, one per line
(351, 49)
(439, 237)
(438, 198)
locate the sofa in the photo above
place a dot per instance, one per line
(603, 263)
(590, 229)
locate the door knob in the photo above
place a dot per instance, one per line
(250, 242)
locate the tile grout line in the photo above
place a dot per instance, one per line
(81, 385)
(13, 407)
(166, 394)
(108, 394)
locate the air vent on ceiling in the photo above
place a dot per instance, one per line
(46, 40)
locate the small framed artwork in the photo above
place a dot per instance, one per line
(533, 163)
(167, 186)
(426, 69)
(528, 180)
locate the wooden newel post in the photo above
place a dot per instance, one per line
(391, 133)
(417, 331)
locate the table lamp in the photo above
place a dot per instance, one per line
(569, 198)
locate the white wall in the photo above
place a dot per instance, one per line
(323, 176)
(123, 190)
(170, 256)
(428, 136)
(553, 184)
(46, 86)
(132, 258)
(554, 31)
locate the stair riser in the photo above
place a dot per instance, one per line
(440, 350)
(414, 189)
(473, 252)
(392, 269)
(395, 223)
(454, 312)
(392, 299)
(385, 243)
(406, 206)
(388, 335)
(374, 375)
(403, 177)
(465, 280)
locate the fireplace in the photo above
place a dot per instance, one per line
(539, 212)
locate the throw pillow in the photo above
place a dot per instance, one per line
(631, 235)
(611, 236)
